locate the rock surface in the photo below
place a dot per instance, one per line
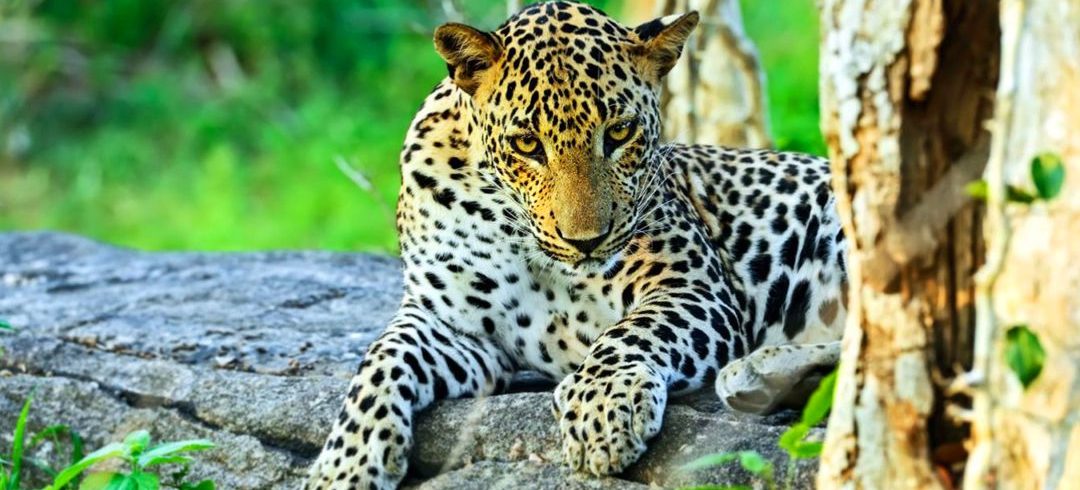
(254, 351)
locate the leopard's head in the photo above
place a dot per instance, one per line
(565, 116)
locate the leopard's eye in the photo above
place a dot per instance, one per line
(618, 134)
(527, 145)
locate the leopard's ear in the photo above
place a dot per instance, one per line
(468, 52)
(662, 41)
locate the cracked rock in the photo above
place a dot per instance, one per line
(254, 351)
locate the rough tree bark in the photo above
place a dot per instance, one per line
(1031, 438)
(905, 91)
(716, 93)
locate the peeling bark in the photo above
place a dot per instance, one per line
(716, 94)
(1030, 438)
(904, 89)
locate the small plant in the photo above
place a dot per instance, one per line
(792, 441)
(1047, 173)
(135, 450)
(817, 407)
(13, 464)
(11, 467)
(56, 433)
(751, 461)
(1024, 354)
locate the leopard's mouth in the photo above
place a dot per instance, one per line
(606, 259)
(575, 262)
(589, 262)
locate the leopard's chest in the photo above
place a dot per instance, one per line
(545, 322)
(557, 321)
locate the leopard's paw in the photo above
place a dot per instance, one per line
(606, 413)
(368, 448)
(775, 375)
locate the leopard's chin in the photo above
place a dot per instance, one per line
(589, 264)
(574, 264)
(598, 263)
(572, 267)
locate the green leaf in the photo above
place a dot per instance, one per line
(53, 432)
(820, 402)
(114, 450)
(806, 450)
(792, 436)
(136, 442)
(977, 189)
(146, 481)
(99, 481)
(817, 407)
(122, 482)
(1014, 194)
(170, 449)
(4, 325)
(157, 460)
(1048, 173)
(753, 462)
(203, 485)
(17, 446)
(77, 451)
(1024, 354)
(710, 460)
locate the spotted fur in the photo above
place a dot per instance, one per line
(544, 226)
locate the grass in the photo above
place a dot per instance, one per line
(201, 189)
(143, 146)
(135, 450)
(11, 466)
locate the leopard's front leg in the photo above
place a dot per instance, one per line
(413, 363)
(614, 402)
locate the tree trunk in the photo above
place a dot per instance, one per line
(716, 93)
(904, 96)
(1030, 438)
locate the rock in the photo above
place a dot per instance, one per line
(263, 311)
(254, 351)
(523, 474)
(520, 427)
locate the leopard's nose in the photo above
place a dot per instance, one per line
(586, 245)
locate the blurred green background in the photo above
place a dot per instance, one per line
(258, 124)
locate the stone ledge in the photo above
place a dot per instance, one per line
(254, 350)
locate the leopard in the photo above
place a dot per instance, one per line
(545, 227)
